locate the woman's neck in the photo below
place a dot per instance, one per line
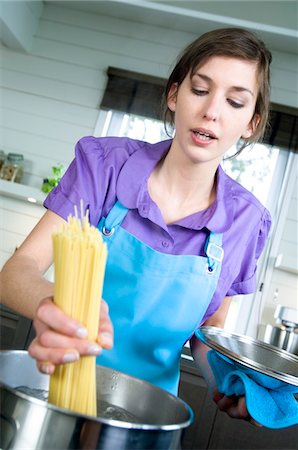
(180, 190)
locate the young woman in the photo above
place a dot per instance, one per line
(182, 236)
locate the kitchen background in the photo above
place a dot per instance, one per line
(54, 58)
(54, 61)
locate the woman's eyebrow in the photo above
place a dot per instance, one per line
(233, 88)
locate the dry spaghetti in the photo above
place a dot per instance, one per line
(79, 266)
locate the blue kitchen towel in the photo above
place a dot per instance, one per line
(269, 401)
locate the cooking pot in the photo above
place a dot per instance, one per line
(132, 414)
(282, 337)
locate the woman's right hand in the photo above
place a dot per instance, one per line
(61, 339)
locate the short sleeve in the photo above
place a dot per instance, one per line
(245, 282)
(89, 179)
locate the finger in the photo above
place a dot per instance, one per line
(106, 332)
(234, 406)
(217, 396)
(225, 403)
(61, 354)
(243, 411)
(51, 339)
(51, 315)
(52, 356)
(255, 423)
(46, 367)
(238, 410)
(105, 324)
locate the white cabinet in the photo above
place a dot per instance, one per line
(18, 215)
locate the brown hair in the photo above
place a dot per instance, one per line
(234, 42)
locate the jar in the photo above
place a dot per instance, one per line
(2, 158)
(13, 167)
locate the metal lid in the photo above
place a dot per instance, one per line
(249, 352)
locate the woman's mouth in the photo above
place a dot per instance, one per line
(203, 136)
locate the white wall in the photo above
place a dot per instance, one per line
(17, 218)
(19, 22)
(50, 95)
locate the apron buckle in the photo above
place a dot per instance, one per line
(214, 251)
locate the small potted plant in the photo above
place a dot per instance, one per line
(49, 183)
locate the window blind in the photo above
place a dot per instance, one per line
(283, 129)
(141, 94)
(133, 93)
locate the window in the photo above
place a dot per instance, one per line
(115, 123)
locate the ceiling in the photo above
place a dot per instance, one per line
(275, 21)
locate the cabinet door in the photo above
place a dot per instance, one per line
(16, 332)
(193, 391)
(233, 434)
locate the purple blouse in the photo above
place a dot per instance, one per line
(107, 169)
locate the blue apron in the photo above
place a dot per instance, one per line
(156, 301)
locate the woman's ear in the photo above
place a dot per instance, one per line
(252, 126)
(172, 97)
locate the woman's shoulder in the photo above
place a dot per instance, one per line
(237, 210)
(243, 198)
(252, 214)
(105, 147)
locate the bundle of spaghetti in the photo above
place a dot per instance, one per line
(79, 266)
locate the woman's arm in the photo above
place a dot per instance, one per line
(199, 350)
(218, 319)
(23, 285)
(59, 338)
(234, 406)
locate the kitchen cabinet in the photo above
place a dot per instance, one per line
(232, 434)
(16, 331)
(193, 391)
(213, 429)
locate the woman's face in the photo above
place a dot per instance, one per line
(214, 107)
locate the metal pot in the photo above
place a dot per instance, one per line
(282, 337)
(132, 414)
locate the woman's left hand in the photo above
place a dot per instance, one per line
(234, 406)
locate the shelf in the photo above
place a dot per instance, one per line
(22, 192)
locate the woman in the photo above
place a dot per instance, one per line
(182, 236)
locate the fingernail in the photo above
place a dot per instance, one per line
(81, 332)
(70, 357)
(106, 339)
(47, 369)
(94, 349)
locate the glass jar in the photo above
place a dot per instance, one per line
(13, 167)
(2, 158)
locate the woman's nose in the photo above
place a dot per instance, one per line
(211, 110)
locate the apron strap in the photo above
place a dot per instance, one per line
(214, 250)
(114, 218)
(213, 245)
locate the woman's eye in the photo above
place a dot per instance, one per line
(235, 104)
(199, 92)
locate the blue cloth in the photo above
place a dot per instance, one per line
(269, 401)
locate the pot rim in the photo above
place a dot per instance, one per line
(98, 419)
